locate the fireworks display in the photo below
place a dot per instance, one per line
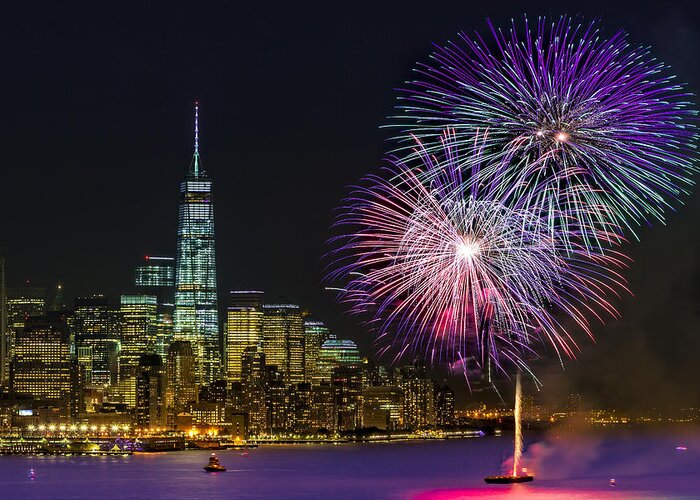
(586, 128)
(450, 272)
(538, 151)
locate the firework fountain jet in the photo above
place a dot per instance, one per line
(517, 417)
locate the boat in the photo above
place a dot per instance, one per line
(508, 479)
(214, 464)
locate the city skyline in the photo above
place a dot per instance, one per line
(281, 165)
(360, 250)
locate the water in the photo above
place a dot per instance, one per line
(569, 466)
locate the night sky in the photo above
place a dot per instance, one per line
(96, 135)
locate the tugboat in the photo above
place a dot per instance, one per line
(214, 465)
(508, 479)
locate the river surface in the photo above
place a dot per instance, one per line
(567, 466)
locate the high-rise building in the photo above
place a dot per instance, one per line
(150, 391)
(254, 381)
(315, 334)
(277, 400)
(347, 381)
(138, 316)
(324, 413)
(21, 304)
(97, 326)
(300, 408)
(283, 340)
(156, 277)
(335, 352)
(444, 404)
(244, 329)
(419, 399)
(42, 366)
(181, 389)
(196, 307)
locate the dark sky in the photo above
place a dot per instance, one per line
(96, 135)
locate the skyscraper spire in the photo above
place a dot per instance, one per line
(195, 158)
(196, 128)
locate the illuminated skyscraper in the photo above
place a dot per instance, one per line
(21, 304)
(196, 308)
(347, 382)
(150, 391)
(283, 340)
(277, 400)
(181, 389)
(334, 353)
(156, 276)
(444, 404)
(254, 383)
(138, 315)
(315, 334)
(244, 328)
(42, 366)
(419, 399)
(97, 328)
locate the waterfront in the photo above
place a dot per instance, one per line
(645, 465)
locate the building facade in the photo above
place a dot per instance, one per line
(20, 305)
(334, 353)
(315, 334)
(138, 316)
(254, 384)
(244, 329)
(180, 389)
(156, 276)
(97, 327)
(283, 340)
(42, 365)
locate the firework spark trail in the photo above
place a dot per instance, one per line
(591, 127)
(447, 271)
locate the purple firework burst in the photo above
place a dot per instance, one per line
(586, 128)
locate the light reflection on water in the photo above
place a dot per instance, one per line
(568, 467)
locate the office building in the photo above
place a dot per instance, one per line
(138, 331)
(181, 389)
(283, 340)
(20, 304)
(444, 404)
(315, 334)
(97, 326)
(254, 381)
(244, 329)
(150, 392)
(335, 352)
(42, 366)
